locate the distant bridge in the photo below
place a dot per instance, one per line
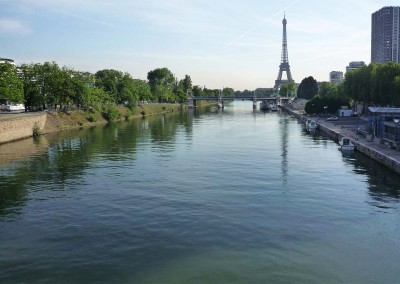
(192, 101)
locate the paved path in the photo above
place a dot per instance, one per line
(375, 149)
(6, 115)
(376, 144)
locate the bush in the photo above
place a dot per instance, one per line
(91, 118)
(111, 113)
(36, 130)
(128, 114)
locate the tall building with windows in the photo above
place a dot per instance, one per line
(354, 65)
(385, 35)
(336, 77)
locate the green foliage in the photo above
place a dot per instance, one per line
(374, 84)
(228, 92)
(317, 105)
(187, 83)
(197, 91)
(110, 81)
(144, 91)
(91, 118)
(111, 113)
(211, 93)
(308, 88)
(11, 87)
(94, 98)
(288, 90)
(42, 84)
(327, 89)
(36, 130)
(162, 83)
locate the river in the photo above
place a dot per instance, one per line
(205, 196)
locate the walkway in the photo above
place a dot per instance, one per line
(375, 149)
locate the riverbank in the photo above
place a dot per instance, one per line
(17, 126)
(374, 148)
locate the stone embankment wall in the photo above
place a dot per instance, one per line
(379, 154)
(18, 126)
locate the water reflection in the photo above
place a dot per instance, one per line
(284, 146)
(383, 184)
(64, 156)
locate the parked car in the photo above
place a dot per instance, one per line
(332, 118)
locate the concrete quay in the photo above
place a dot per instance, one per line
(374, 148)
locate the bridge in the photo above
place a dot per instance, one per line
(192, 101)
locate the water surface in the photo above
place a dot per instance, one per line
(208, 196)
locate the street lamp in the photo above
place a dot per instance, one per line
(325, 109)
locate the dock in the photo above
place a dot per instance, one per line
(377, 149)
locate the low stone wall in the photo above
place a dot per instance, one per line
(378, 155)
(18, 126)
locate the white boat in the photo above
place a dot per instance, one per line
(265, 105)
(220, 104)
(346, 145)
(311, 125)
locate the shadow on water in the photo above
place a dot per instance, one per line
(383, 184)
(63, 156)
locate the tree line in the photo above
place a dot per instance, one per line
(375, 84)
(39, 85)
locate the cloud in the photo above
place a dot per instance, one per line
(12, 26)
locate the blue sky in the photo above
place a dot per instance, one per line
(218, 43)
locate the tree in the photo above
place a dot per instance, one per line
(308, 88)
(187, 83)
(94, 97)
(197, 91)
(31, 88)
(317, 104)
(11, 87)
(129, 91)
(162, 83)
(228, 92)
(144, 90)
(373, 84)
(287, 90)
(327, 89)
(110, 81)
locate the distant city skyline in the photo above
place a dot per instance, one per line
(218, 43)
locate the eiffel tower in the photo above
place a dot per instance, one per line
(284, 60)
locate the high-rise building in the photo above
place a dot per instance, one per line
(385, 35)
(336, 77)
(355, 65)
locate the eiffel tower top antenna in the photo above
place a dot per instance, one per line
(284, 59)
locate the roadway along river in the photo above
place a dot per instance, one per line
(208, 196)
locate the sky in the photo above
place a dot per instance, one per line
(220, 43)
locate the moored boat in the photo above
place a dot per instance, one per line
(346, 145)
(265, 105)
(311, 125)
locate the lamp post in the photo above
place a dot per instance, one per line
(325, 109)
